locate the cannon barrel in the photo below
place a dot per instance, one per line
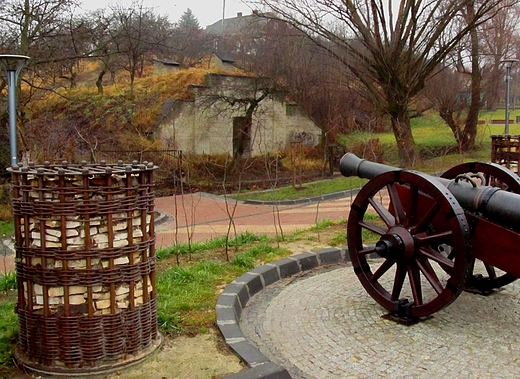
(493, 203)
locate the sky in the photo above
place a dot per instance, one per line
(206, 11)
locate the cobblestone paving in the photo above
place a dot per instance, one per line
(324, 325)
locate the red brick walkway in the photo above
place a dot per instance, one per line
(206, 216)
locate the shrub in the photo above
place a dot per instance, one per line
(370, 149)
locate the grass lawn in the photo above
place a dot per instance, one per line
(434, 140)
(188, 281)
(307, 190)
(431, 132)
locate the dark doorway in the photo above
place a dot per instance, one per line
(241, 137)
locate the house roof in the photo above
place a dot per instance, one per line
(167, 63)
(224, 57)
(236, 24)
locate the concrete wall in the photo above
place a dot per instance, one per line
(162, 67)
(205, 124)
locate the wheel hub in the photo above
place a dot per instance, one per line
(398, 243)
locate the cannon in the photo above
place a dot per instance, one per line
(434, 236)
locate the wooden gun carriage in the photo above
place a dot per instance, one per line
(432, 233)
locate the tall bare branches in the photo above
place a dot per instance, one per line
(390, 49)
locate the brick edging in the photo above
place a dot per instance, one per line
(237, 294)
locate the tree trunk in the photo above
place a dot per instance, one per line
(99, 81)
(447, 116)
(403, 137)
(132, 79)
(467, 142)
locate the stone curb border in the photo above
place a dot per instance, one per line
(161, 218)
(328, 196)
(237, 294)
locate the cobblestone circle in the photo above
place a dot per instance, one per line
(322, 324)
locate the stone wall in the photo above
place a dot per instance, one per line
(205, 125)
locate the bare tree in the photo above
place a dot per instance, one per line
(498, 39)
(54, 38)
(448, 92)
(457, 90)
(137, 33)
(104, 45)
(391, 50)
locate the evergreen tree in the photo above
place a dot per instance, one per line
(190, 43)
(188, 20)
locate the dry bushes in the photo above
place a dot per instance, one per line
(370, 149)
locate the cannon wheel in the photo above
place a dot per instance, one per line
(423, 236)
(496, 176)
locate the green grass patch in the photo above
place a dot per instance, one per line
(499, 114)
(187, 294)
(213, 243)
(183, 289)
(261, 252)
(6, 228)
(338, 239)
(8, 281)
(322, 224)
(308, 190)
(434, 139)
(8, 331)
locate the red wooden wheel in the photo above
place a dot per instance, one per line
(420, 231)
(496, 176)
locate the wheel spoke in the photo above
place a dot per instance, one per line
(452, 254)
(385, 266)
(415, 284)
(427, 219)
(366, 251)
(444, 262)
(400, 275)
(387, 217)
(396, 203)
(492, 274)
(430, 275)
(373, 228)
(433, 238)
(412, 211)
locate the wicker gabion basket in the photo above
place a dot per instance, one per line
(505, 150)
(85, 265)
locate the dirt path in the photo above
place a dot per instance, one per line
(204, 356)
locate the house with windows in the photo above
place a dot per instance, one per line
(235, 114)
